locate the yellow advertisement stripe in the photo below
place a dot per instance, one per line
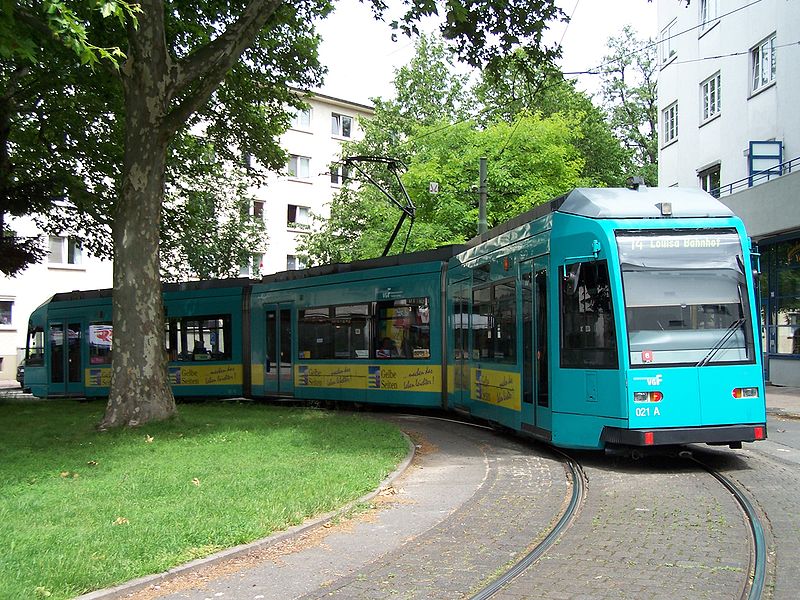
(500, 388)
(404, 378)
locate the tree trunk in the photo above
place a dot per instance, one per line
(140, 390)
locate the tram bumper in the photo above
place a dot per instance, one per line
(675, 436)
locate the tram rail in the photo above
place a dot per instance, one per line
(754, 583)
(578, 480)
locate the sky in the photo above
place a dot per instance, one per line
(362, 59)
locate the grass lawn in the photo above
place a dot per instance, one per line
(82, 510)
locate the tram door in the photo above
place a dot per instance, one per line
(536, 409)
(278, 375)
(66, 366)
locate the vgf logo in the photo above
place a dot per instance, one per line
(650, 380)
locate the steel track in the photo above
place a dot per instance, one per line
(754, 586)
(578, 491)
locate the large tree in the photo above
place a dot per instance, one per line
(629, 91)
(193, 58)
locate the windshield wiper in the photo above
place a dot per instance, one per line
(718, 346)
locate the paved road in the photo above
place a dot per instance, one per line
(655, 529)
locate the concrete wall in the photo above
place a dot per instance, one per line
(770, 208)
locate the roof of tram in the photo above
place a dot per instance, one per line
(638, 202)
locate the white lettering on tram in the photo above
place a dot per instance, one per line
(651, 380)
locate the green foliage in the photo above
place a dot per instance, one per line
(207, 231)
(25, 27)
(82, 510)
(541, 138)
(630, 96)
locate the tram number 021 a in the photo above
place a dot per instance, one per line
(646, 411)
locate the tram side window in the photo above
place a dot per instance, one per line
(351, 331)
(587, 328)
(315, 333)
(494, 322)
(402, 329)
(34, 356)
(101, 336)
(199, 338)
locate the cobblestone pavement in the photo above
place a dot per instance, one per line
(657, 528)
(774, 485)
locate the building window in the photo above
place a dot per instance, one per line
(301, 119)
(710, 180)
(299, 166)
(64, 250)
(6, 307)
(710, 90)
(709, 13)
(670, 121)
(764, 161)
(298, 217)
(339, 174)
(258, 209)
(341, 125)
(666, 43)
(293, 263)
(762, 63)
(253, 266)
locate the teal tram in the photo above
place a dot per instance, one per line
(607, 318)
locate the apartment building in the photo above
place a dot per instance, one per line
(286, 203)
(728, 91)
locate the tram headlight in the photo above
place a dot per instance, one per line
(748, 392)
(647, 396)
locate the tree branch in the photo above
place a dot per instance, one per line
(203, 70)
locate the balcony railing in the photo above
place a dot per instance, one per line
(756, 178)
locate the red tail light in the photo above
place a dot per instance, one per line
(648, 438)
(758, 433)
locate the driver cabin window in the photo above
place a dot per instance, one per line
(588, 339)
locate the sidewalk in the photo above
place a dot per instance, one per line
(783, 401)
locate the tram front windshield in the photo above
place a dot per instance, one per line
(686, 300)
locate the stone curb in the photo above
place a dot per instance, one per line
(135, 585)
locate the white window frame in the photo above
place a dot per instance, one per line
(342, 125)
(666, 43)
(763, 64)
(293, 263)
(707, 180)
(299, 167)
(63, 250)
(302, 217)
(669, 120)
(301, 119)
(711, 98)
(253, 266)
(10, 312)
(258, 209)
(709, 14)
(339, 175)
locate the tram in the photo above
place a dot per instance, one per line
(605, 318)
